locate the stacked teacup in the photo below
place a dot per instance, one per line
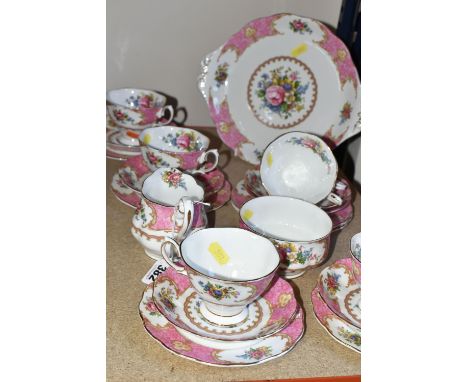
(298, 173)
(130, 111)
(303, 168)
(222, 295)
(171, 206)
(179, 183)
(337, 297)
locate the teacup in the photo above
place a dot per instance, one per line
(355, 249)
(300, 165)
(228, 267)
(177, 147)
(137, 109)
(299, 230)
(171, 206)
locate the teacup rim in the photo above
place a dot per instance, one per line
(222, 279)
(284, 239)
(171, 152)
(351, 247)
(129, 88)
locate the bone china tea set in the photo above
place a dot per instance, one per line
(282, 92)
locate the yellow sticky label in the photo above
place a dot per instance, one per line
(218, 253)
(269, 159)
(247, 214)
(147, 139)
(298, 50)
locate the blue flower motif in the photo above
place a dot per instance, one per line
(287, 87)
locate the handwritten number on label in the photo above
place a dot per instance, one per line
(160, 269)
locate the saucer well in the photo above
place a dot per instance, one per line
(340, 291)
(252, 353)
(342, 331)
(181, 305)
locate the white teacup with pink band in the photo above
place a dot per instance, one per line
(171, 206)
(172, 146)
(137, 109)
(228, 267)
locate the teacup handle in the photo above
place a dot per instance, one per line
(203, 158)
(173, 243)
(335, 199)
(162, 112)
(185, 207)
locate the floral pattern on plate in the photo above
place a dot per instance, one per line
(282, 92)
(341, 291)
(266, 315)
(221, 74)
(299, 26)
(243, 129)
(339, 329)
(166, 334)
(257, 353)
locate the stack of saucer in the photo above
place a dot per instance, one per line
(251, 187)
(127, 183)
(337, 298)
(237, 315)
(129, 111)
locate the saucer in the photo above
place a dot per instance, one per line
(116, 148)
(219, 198)
(341, 217)
(342, 188)
(342, 331)
(212, 181)
(252, 353)
(124, 193)
(340, 291)
(179, 302)
(240, 195)
(253, 183)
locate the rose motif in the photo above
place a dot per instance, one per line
(257, 354)
(119, 115)
(174, 178)
(183, 141)
(309, 143)
(298, 24)
(151, 306)
(145, 102)
(275, 95)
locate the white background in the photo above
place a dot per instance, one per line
(52, 277)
